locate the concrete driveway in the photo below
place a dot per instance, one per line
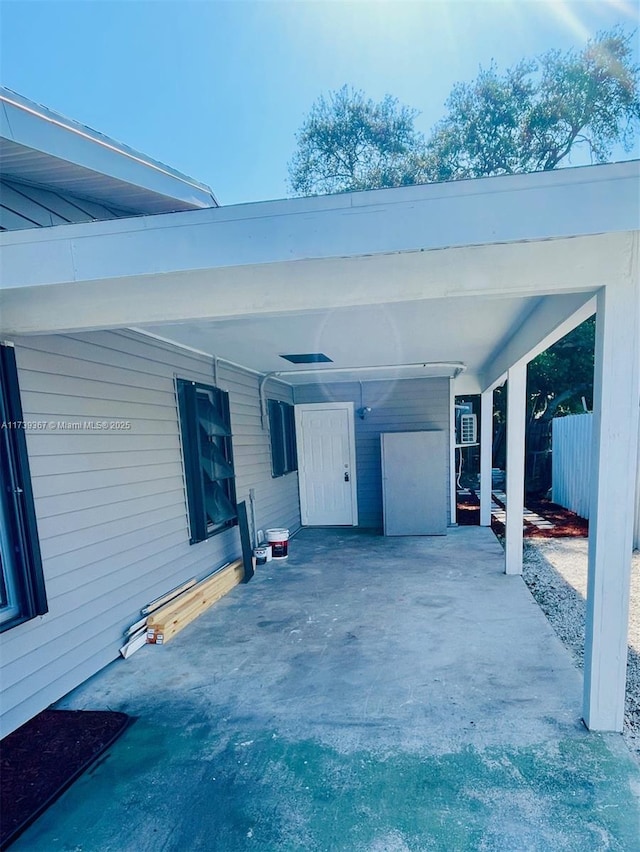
(369, 694)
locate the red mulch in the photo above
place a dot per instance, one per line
(566, 523)
(43, 757)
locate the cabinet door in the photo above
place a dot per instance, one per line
(414, 483)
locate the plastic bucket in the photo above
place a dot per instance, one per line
(260, 554)
(279, 541)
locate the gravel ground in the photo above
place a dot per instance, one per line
(555, 570)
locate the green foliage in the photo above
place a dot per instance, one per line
(535, 114)
(557, 381)
(349, 142)
(530, 118)
(560, 377)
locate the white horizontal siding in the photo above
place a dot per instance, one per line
(111, 506)
(276, 500)
(396, 406)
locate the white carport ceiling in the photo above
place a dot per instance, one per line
(435, 330)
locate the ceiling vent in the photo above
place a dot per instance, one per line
(308, 358)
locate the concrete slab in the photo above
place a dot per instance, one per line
(369, 694)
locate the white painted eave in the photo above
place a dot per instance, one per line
(389, 277)
(40, 146)
(551, 320)
(534, 207)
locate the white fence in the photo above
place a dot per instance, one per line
(571, 466)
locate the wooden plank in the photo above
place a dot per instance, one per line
(186, 599)
(186, 596)
(159, 633)
(195, 603)
(169, 596)
(224, 583)
(178, 623)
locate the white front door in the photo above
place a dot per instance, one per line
(326, 464)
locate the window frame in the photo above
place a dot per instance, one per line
(192, 432)
(20, 557)
(282, 432)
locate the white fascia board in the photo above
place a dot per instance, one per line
(574, 265)
(37, 128)
(549, 321)
(568, 203)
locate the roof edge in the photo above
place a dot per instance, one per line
(35, 126)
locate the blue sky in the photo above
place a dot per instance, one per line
(218, 89)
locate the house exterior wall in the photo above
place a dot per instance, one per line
(110, 506)
(396, 406)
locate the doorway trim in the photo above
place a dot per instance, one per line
(327, 406)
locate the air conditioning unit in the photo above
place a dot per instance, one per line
(466, 425)
(468, 430)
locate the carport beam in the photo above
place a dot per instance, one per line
(615, 446)
(516, 418)
(486, 460)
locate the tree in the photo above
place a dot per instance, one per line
(349, 142)
(532, 117)
(561, 376)
(559, 382)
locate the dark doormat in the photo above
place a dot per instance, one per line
(43, 757)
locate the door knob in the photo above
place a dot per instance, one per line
(346, 476)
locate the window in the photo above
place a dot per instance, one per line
(22, 593)
(205, 425)
(284, 455)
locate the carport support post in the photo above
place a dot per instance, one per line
(516, 419)
(615, 447)
(486, 455)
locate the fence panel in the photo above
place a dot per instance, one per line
(636, 529)
(571, 462)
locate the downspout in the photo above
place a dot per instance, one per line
(263, 401)
(453, 488)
